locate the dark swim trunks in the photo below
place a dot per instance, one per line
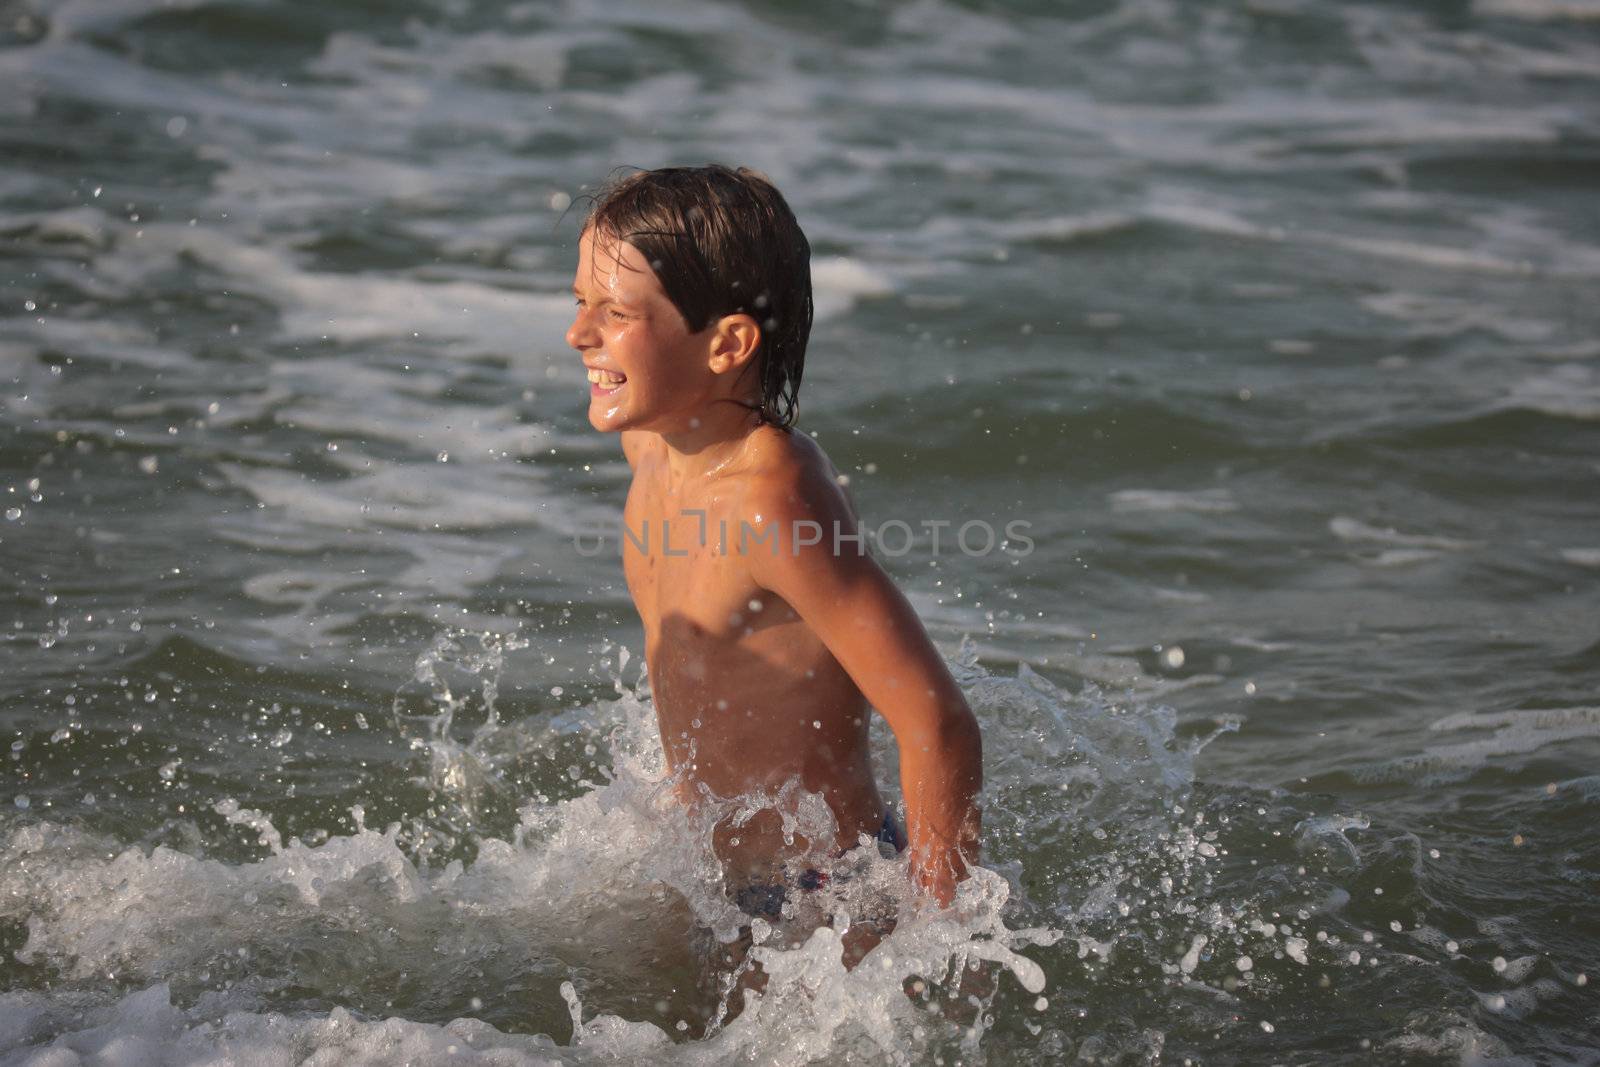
(766, 900)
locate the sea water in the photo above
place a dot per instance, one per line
(325, 732)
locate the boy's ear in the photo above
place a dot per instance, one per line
(734, 342)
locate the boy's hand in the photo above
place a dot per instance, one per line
(937, 866)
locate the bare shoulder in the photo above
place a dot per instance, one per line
(789, 476)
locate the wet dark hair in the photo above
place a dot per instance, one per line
(722, 241)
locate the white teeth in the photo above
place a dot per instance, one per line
(605, 377)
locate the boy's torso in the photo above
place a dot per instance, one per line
(747, 695)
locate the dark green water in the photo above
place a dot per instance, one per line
(1275, 320)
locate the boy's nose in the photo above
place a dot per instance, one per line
(579, 334)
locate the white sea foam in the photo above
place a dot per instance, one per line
(1568, 390)
(1436, 316)
(1179, 596)
(973, 236)
(395, 495)
(1195, 500)
(838, 282)
(358, 307)
(1453, 1038)
(352, 401)
(297, 952)
(1348, 529)
(1257, 644)
(1068, 228)
(1563, 259)
(1402, 557)
(1541, 10)
(1509, 733)
(594, 905)
(84, 227)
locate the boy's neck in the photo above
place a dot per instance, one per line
(709, 441)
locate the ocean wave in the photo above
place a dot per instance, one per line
(1511, 733)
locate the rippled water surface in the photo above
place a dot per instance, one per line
(1275, 319)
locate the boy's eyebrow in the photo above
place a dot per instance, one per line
(604, 298)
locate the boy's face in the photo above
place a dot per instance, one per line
(625, 325)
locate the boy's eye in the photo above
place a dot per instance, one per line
(620, 316)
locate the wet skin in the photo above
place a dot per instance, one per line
(763, 655)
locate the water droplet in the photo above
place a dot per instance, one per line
(22, 801)
(149, 464)
(13, 514)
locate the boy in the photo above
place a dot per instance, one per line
(768, 629)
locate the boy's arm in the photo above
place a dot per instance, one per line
(874, 633)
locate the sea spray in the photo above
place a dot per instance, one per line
(596, 924)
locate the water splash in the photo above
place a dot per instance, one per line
(598, 925)
(448, 711)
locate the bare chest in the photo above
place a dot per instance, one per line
(681, 556)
